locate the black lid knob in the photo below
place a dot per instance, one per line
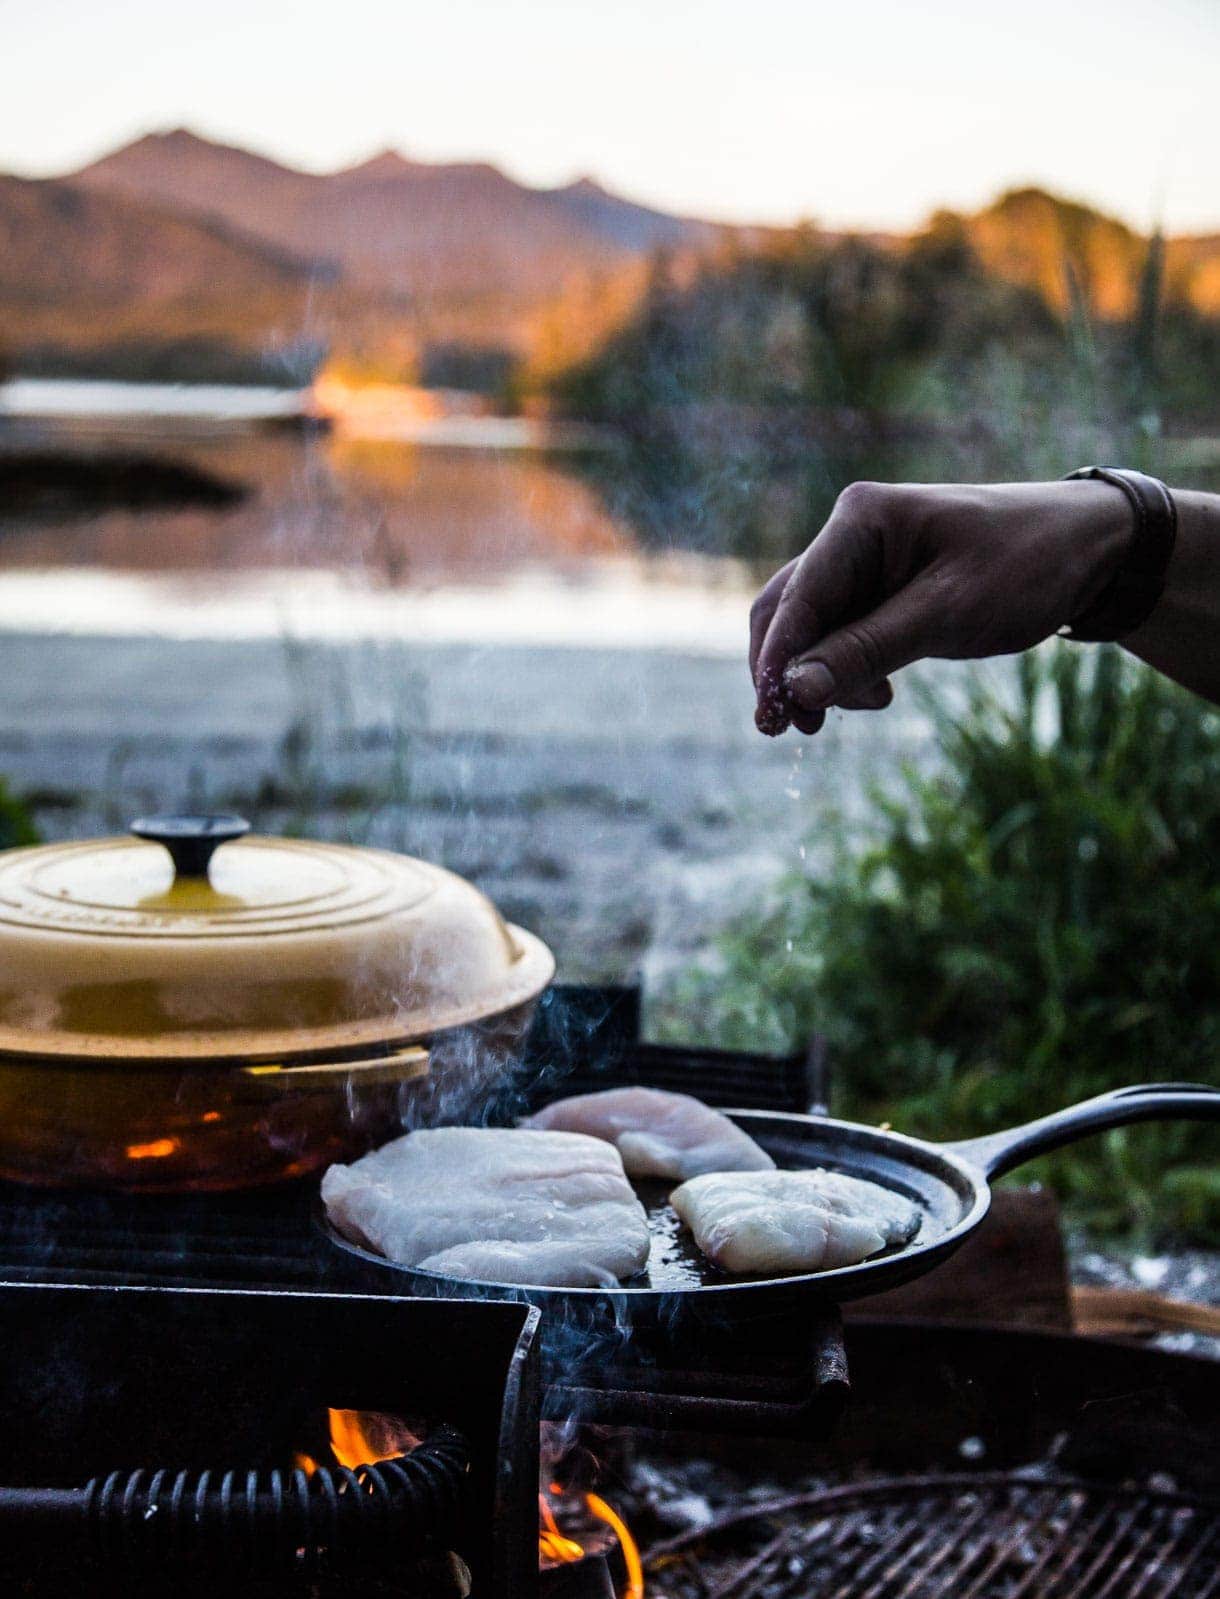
(191, 840)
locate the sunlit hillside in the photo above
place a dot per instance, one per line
(177, 256)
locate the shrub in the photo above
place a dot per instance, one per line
(16, 823)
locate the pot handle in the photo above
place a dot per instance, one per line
(270, 1081)
(190, 840)
(997, 1153)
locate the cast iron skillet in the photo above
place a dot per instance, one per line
(949, 1182)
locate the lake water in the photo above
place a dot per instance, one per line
(342, 536)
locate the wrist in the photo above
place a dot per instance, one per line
(1179, 637)
(1191, 571)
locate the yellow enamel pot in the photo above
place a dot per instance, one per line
(191, 1007)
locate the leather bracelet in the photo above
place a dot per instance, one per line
(1130, 596)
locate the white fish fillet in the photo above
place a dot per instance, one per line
(783, 1221)
(658, 1134)
(494, 1203)
(894, 1216)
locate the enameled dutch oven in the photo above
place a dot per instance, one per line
(191, 1008)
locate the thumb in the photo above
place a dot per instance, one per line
(847, 666)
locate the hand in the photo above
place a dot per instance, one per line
(905, 571)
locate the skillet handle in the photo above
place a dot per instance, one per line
(997, 1153)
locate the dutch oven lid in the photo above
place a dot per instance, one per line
(193, 942)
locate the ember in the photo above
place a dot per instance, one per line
(156, 1149)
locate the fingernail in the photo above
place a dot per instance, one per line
(811, 686)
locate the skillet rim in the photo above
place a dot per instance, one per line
(839, 1284)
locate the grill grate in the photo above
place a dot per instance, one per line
(262, 1239)
(990, 1536)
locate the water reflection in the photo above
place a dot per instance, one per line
(348, 532)
(400, 515)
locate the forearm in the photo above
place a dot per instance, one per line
(1182, 636)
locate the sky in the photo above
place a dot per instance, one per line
(852, 114)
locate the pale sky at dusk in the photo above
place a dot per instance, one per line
(768, 110)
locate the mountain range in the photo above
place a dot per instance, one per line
(175, 242)
(411, 228)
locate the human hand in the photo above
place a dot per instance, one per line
(901, 572)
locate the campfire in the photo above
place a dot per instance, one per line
(361, 1438)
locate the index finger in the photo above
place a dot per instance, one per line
(835, 580)
(763, 610)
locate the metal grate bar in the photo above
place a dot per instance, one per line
(933, 1557)
(907, 1532)
(1105, 1556)
(956, 1548)
(1176, 1581)
(1143, 1546)
(1212, 1584)
(1007, 1549)
(987, 1538)
(1168, 1551)
(744, 1581)
(1041, 1578)
(797, 1584)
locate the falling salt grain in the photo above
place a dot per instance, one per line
(793, 793)
(788, 945)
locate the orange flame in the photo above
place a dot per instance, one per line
(363, 1437)
(158, 1149)
(555, 1548)
(552, 1545)
(598, 1507)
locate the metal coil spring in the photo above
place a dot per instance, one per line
(263, 1520)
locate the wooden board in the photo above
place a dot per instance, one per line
(1139, 1313)
(1012, 1273)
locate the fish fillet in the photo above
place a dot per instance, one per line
(554, 1209)
(658, 1134)
(894, 1216)
(781, 1221)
